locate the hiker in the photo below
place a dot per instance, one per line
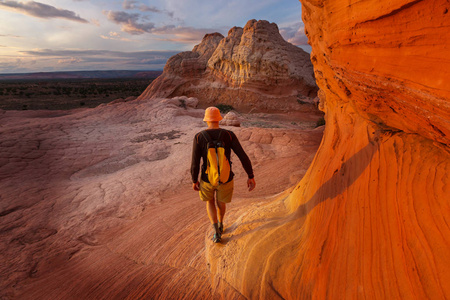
(220, 181)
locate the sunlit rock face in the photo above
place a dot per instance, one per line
(252, 68)
(370, 218)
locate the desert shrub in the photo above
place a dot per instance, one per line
(224, 108)
(320, 122)
(182, 103)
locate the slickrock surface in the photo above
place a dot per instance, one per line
(94, 203)
(252, 68)
(97, 203)
(370, 219)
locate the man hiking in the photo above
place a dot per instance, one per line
(214, 146)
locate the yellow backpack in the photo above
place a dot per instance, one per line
(218, 167)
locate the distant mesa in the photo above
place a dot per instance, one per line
(252, 68)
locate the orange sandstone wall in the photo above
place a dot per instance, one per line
(376, 216)
(370, 219)
(389, 61)
(376, 198)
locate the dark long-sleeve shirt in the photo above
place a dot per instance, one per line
(199, 150)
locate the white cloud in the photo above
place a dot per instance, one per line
(114, 36)
(71, 60)
(182, 34)
(41, 10)
(133, 4)
(96, 22)
(295, 34)
(130, 22)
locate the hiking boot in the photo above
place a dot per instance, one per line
(217, 238)
(220, 227)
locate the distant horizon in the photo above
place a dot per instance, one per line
(79, 71)
(306, 48)
(55, 36)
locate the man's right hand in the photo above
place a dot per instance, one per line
(251, 184)
(196, 186)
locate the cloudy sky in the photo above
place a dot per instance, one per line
(63, 35)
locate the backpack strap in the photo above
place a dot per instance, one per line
(207, 136)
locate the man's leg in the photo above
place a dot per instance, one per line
(212, 212)
(221, 209)
(224, 195)
(207, 194)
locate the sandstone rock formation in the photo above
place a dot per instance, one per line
(93, 203)
(252, 68)
(370, 218)
(97, 203)
(231, 119)
(182, 101)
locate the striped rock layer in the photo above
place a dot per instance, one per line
(370, 219)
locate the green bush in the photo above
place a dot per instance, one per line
(224, 108)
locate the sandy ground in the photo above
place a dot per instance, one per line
(97, 203)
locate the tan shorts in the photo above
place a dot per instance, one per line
(224, 191)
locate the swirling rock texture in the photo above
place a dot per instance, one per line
(370, 218)
(97, 203)
(94, 202)
(252, 68)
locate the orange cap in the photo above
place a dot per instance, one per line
(212, 114)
